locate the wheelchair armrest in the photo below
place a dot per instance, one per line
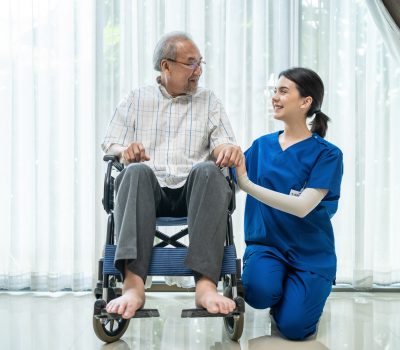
(108, 157)
(115, 161)
(108, 190)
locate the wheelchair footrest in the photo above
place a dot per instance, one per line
(142, 313)
(100, 312)
(240, 307)
(204, 313)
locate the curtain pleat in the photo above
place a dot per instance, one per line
(49, 168)
(392, 6)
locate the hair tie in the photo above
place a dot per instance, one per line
(317, 111)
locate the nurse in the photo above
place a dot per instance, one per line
(293, 183)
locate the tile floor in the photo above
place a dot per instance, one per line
(58, 321)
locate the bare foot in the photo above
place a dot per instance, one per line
(132, 299)
(207, 297)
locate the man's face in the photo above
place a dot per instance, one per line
(181, 76)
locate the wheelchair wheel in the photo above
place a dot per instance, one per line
(110, 331)
(233, 325)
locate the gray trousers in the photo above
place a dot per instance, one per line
(204, 199)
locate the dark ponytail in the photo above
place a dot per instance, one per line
(310, 84)
(319, 124)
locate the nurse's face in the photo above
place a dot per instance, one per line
(287, 102)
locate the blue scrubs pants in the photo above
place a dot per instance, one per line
(297, 297)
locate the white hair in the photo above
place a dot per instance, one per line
(166, 47)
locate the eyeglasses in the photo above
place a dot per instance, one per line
(192, 66)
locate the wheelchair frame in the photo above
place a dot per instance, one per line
(111, 327)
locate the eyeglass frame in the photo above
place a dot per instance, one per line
(189, 65)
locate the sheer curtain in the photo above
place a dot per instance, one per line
(362, 81)
(48, 142)
(385, 21)
(66, 65)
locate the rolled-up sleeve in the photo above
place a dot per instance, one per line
(122, 125)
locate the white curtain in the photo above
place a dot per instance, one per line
(363, 89)
(65, 66)
(386, 25)
(48, 144)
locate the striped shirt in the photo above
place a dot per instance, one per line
(176, 133)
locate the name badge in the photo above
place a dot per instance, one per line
(295, 193)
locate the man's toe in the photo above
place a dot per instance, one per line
(213, 308)
(121, 308)
(129, 311)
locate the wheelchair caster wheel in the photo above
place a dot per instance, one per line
(234, 324)
(110, 330)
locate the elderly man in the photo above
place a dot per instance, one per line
(173, 135)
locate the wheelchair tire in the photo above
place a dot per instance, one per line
(110, 331)
(233, 325)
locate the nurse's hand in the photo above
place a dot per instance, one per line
(241, 167)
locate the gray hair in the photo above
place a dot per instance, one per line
(166, 47)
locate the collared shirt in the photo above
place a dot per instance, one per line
(177, 133)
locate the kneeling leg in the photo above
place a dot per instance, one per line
(263, 276)
(302, 303)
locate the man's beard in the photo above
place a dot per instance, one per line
(192, 87)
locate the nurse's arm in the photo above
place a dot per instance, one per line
(299, 206)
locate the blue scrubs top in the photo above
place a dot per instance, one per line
(304, 243)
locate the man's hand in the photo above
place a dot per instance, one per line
(228, 155)
(134, 153)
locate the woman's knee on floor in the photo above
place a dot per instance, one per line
(295, 327)
(261, 294)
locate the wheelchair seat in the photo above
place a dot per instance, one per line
(171, 221)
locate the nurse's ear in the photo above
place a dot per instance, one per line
(306, 104)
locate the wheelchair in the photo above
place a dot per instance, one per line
(164, 262)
